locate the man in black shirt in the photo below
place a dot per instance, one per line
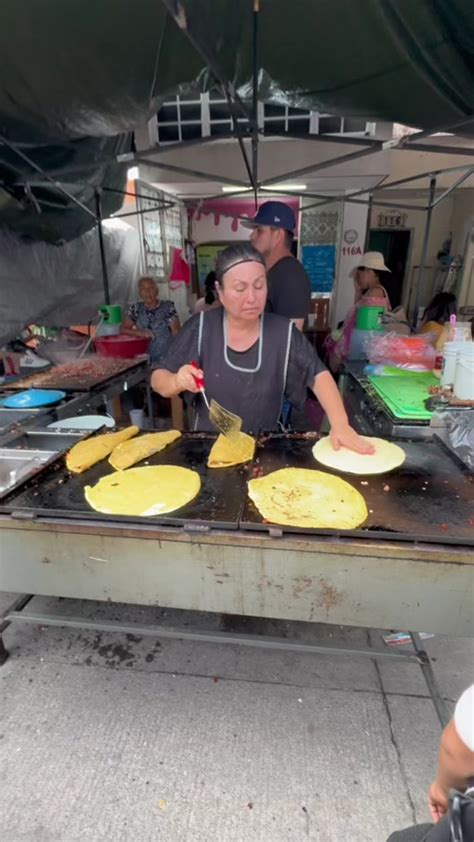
(289, 288)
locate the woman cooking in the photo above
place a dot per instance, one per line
(152, 318)
(250, 360)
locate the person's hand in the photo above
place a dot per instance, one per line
(345, 436)
(186, 378)
(437, 801)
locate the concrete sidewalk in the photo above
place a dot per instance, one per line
(115, 737)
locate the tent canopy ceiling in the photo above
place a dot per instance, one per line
(78, 78)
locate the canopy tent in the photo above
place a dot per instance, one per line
(47, 285)
(77, 78)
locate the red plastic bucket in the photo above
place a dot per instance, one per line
(122, 346)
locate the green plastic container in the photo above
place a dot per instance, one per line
(369, 318)
(112, 314)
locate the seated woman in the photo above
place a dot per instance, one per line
(210, 299)
(437, 313)
(152, 318)
(250, 360)
(368, 278)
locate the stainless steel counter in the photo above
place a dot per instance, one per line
(346, 581)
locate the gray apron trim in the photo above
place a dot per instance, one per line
(201, 323)
(285, 374)
(196, 411)
(287, 358)
(260, 349)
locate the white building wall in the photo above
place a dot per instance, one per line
(216, 228)
(353, 228)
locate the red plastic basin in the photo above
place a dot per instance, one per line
(122, 346)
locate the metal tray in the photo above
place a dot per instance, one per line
(430, 498)
(17, 466)
(218, 505)
(10, 417)
(46, 440)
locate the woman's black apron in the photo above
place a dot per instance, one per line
(256, 394)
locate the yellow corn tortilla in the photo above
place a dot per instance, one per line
(152, 490)
(307, 498)
(226, 452)
(87, 453)
(386, 457)
(130, 452)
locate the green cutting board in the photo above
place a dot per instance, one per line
(405, 395)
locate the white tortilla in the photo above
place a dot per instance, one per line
(386, 457)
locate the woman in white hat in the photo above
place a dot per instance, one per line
(368, 275)
(369, 291)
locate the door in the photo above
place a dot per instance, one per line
(394, 246)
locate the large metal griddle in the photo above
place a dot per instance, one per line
(219, 503)
(79, 380)
(429, 499)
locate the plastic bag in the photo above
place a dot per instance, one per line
(411, 353)
(455, 427)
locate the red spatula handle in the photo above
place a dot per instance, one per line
(199, 380)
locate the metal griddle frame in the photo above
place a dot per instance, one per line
(205, 525)
(18, 612)
(369, 146)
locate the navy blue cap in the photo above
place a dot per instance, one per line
(275, 214)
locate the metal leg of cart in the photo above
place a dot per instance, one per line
(17, 606)
(419, 656)
(429, 676)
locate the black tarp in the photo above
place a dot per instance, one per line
(78, 77)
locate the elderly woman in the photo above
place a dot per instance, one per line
(250, 360)
(152, 318)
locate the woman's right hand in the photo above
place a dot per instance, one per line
(186, 378)
(437, 801)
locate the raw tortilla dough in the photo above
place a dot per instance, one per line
(130, 452)
(307, 498)
(387, 456)
(226, 452)
(152, 490)
(87, 453)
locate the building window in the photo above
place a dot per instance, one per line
(180, 119)
(208, 115)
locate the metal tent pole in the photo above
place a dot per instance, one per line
(199, 174)
(239, 135)
(445, 127)
(178, 13)
(456, 184)
(369, 221)
(105, 276)
(386, 185)
(424, 250)
(36, 167)
(255, 13)
(322, 165)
